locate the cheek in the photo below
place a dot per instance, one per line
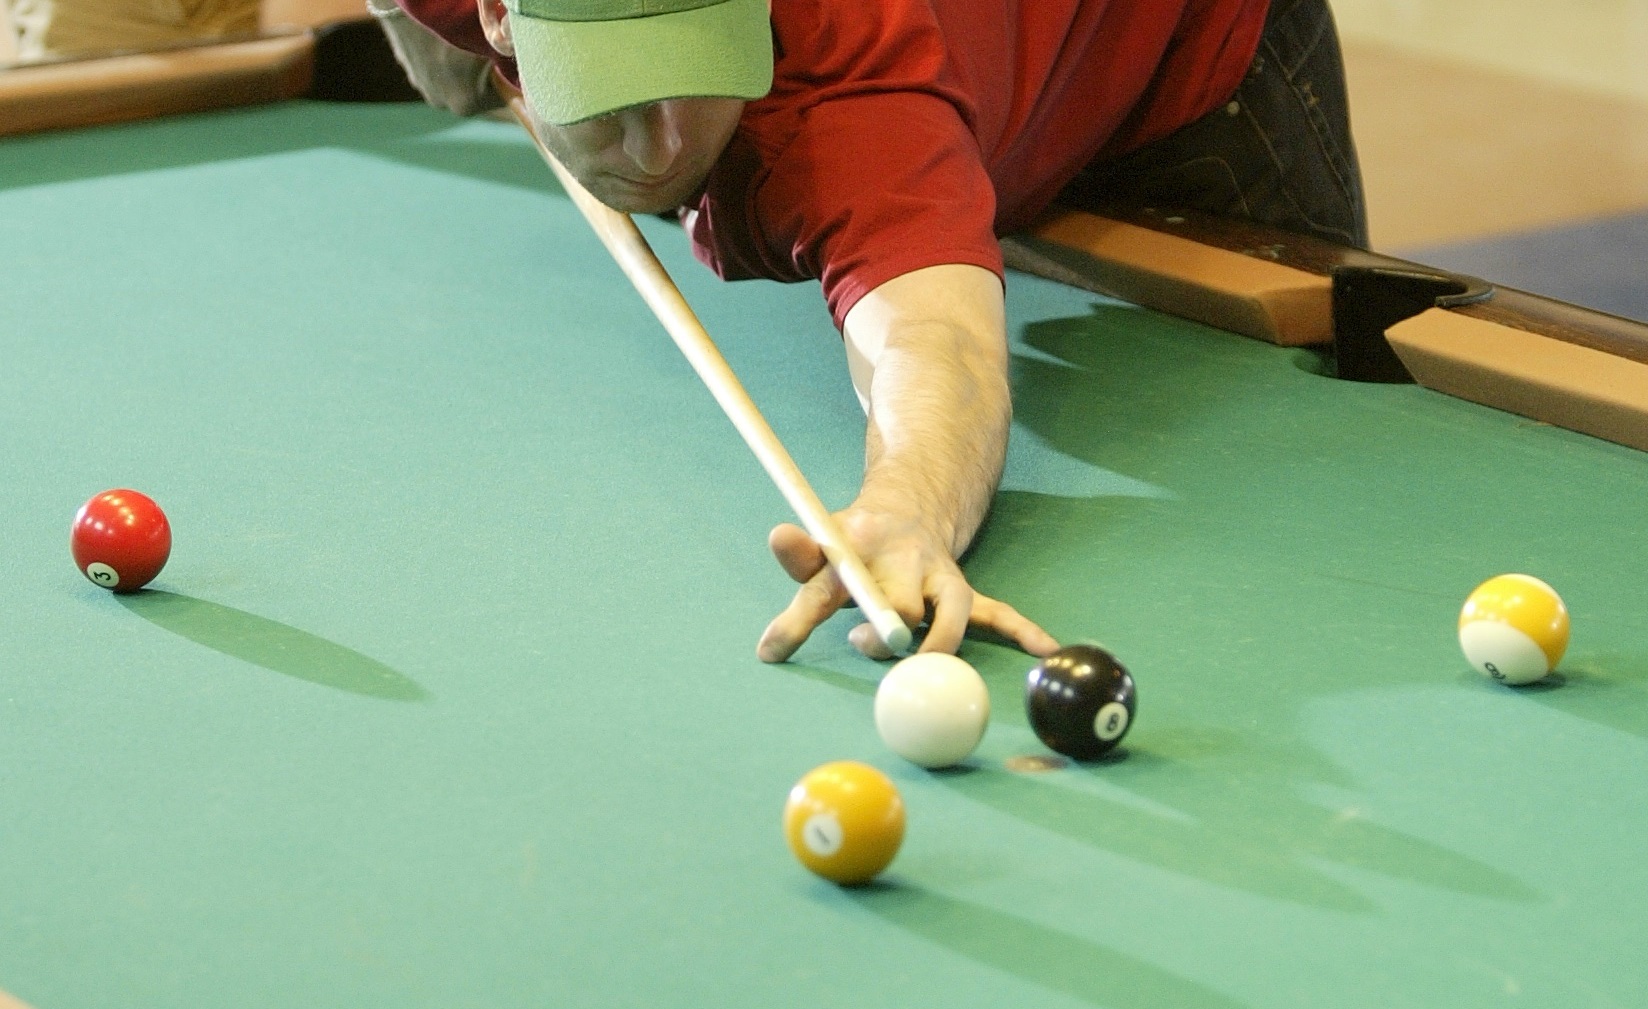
(564, 153)
(576, 146)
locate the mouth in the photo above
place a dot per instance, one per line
(649, 185)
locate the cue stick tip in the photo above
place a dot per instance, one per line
(891, 630)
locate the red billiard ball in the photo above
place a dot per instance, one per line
(120, 540)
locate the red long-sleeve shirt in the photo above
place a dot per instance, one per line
(901, 134)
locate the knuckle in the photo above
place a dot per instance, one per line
(862, 527)
(815, 595)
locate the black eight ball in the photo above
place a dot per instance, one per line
(1080, 701)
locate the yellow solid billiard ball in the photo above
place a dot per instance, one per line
(1514, 628)
(844, 821)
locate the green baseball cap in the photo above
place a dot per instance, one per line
(584, 58)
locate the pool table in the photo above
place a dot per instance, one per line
(448, 696)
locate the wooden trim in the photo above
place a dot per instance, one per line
(11, 1002)
(1536, 375)
(1559, 320)
(1565, 365)
(116, 89)
(1248, 238)
(1257, 297)
(1509, 307)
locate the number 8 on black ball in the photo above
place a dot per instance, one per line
(1080, 701)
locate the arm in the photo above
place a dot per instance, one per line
(447, 76)
(928, 352)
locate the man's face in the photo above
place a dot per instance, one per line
(646, 159)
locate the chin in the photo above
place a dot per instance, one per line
(629, 199)
(629, 204)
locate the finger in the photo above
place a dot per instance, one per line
(952, 610)
(900, 581)
(869, 643)
(998, 617)
(817, 599)
(797, 553)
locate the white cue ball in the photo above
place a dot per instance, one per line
(931, 709)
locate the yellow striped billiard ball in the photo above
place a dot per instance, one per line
(844, 821)
(1514, 628)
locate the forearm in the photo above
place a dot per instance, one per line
(928, 356)
(448, 77)
(939, 405)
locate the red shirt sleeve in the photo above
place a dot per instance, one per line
(870, 187)
(861, 165)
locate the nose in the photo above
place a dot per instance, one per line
(653, 136)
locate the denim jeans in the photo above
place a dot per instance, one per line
(1280, 152)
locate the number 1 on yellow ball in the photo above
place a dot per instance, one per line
(844, 821)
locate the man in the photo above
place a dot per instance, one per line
(880, 146)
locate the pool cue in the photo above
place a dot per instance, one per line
(635, 257)
(10, 1002)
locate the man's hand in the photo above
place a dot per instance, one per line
(928, 355)
(921, 580)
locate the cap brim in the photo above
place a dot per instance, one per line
(574, 70)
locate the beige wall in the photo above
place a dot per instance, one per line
(8, 49)
(307, 13)
(1593, 45)
(1478, 118)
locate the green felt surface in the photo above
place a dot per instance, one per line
(448, 697)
